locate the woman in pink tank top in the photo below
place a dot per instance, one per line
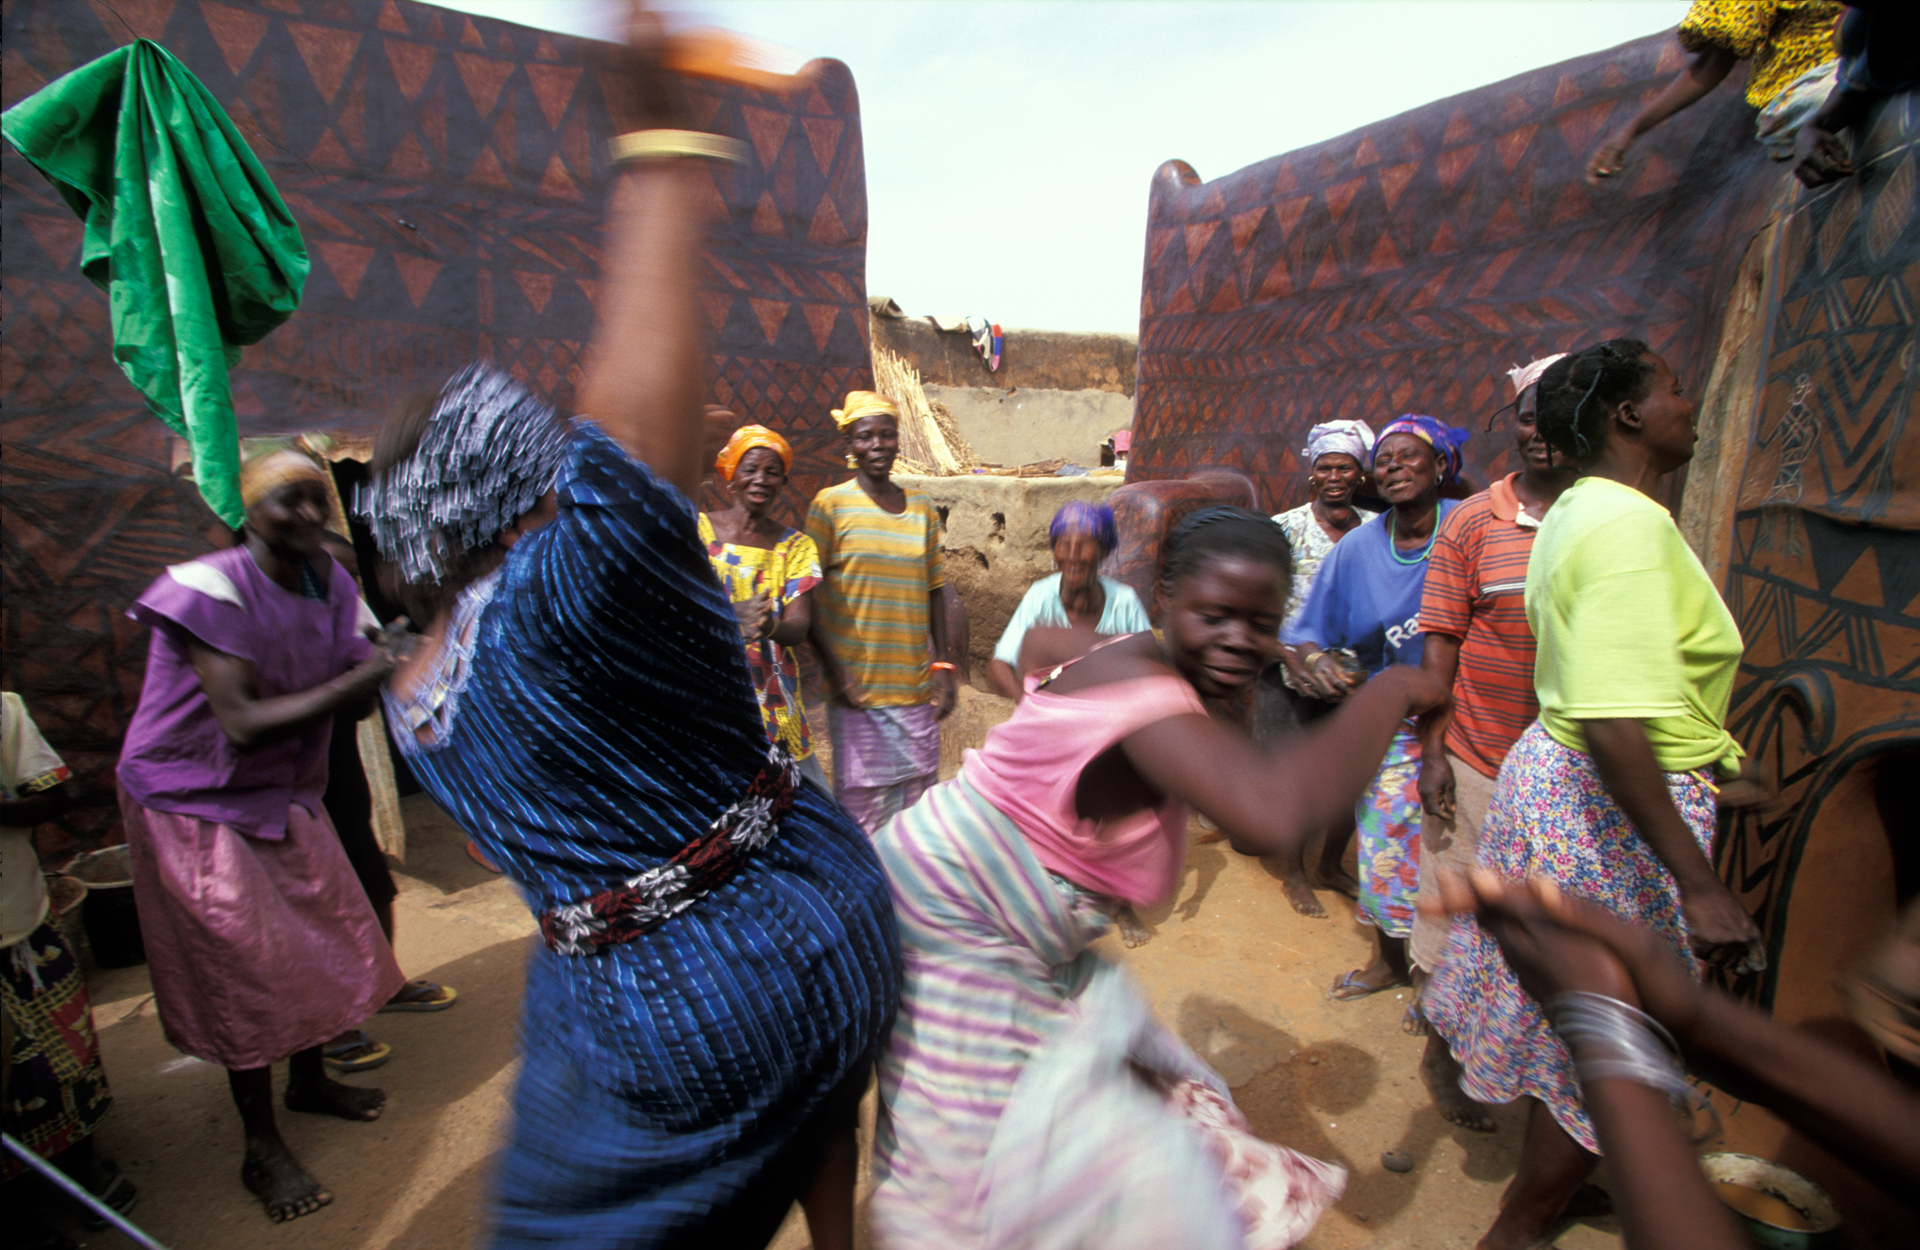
(1027, 1098)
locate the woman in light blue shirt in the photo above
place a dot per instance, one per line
(1082, 535)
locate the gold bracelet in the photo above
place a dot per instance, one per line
(659, 145)
(1308, 661)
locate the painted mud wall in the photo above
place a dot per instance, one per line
(1405, 266)
(447, 173)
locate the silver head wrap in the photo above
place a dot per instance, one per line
(489, 452)
(1347, 438)
(1524, 376)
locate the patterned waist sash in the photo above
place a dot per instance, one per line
(644, 903)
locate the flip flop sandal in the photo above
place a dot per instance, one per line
(474, 854)
(1349, 986)
(355, 1053)
(121, 1194)
(422, 996)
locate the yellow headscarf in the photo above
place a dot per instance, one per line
(864, 404)
(264, 474)
(744, 440)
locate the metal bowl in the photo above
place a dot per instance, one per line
(1805, 1197)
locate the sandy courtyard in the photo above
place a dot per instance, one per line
(1230, 966)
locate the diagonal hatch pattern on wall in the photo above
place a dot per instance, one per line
(1406, 266)
(448, 173)
(1824, 578)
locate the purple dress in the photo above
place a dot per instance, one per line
(260, 941)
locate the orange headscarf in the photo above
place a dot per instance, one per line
(744, 440)
(864, 404)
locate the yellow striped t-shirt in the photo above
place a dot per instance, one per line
(872, 607)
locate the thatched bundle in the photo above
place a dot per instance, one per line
(930, 442)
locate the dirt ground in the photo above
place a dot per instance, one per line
(1230, 965)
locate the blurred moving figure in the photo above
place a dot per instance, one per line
(1027, 1096)
(720, 954)
(1611, 990)
(1077, 597)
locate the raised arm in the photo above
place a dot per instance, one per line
(1707, 69)
(1276, 798)
(643, 382)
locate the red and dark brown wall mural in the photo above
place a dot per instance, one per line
(1406, 266)
(447, 173)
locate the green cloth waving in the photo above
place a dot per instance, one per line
(197, 252)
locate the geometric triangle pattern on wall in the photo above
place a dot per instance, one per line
(448, 174)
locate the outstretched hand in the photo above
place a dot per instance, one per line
(1556, 943)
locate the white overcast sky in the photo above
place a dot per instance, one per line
(1009, 144)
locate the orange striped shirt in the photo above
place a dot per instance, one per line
(1476, 592)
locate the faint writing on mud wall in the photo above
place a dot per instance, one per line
(1795, 440)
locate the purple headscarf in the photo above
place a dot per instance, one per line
(1080, 517)
(1446, 440)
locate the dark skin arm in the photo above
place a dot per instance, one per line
(842, 689)
(1660, 1195)
(1271, 798)
(232, 687)
(1706, 70)
(1439, 657)
(945, 687)
(1847, 1104)
(1819, 157)
(796, 621)
(1719, 928)
(643, 384)
(36, 809)
(1001, 674)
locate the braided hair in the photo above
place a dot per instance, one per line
(1223, 531)
(1579, 393)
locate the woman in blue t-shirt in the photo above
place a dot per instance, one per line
(1366, 599)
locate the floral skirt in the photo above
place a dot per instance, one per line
(1552, 816)
(1387, 824)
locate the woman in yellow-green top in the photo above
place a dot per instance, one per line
(882, 606)
(769, 572)
(1612, 791)
(1791, 44)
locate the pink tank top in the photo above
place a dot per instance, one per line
(1029, 766)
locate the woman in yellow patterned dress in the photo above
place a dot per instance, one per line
(1787, 41)
(769, 572)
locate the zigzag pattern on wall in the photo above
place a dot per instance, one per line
(1825, 572)
(1406, 266)
(447, 173)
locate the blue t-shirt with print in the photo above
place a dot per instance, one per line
(1365, 599)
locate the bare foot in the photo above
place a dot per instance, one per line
(1300, 895)
(1441, 1074)
(275, 1177)
(326, 1097)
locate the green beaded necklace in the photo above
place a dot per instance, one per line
(1424, 551)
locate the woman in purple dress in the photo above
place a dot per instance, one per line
(260, 941)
